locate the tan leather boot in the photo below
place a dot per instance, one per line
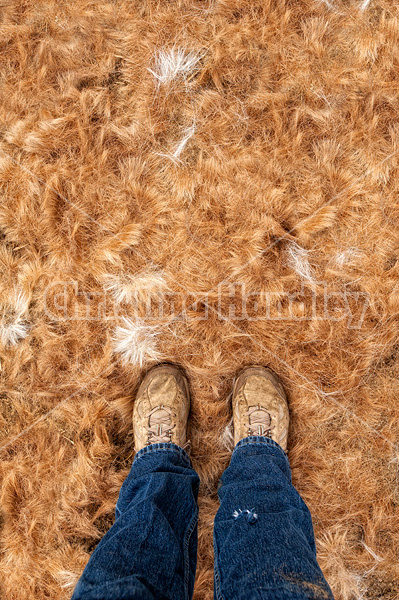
(161, 407)
(260, 406)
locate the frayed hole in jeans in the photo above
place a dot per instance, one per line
(249, 515)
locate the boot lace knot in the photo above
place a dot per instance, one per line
(259, 421)
(160, 425)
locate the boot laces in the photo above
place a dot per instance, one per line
(259, 421)
(160, 425)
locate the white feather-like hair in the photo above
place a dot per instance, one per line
(140, 287)
(13, 324)
(136, 342)
(174, 63)
(298, 260)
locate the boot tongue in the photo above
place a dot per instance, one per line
(160, 417)
(260, 417)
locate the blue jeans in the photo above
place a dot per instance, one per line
(263, 535)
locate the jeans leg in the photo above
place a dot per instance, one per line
(150, 553)
(263, 533)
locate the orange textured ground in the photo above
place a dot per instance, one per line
(150, 150)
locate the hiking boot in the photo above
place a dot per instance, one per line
(260, 406)
(161, 407)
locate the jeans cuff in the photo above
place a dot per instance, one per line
(162, 447)
(258, 440)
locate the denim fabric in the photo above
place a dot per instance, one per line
(263, 535)
(151, 550)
